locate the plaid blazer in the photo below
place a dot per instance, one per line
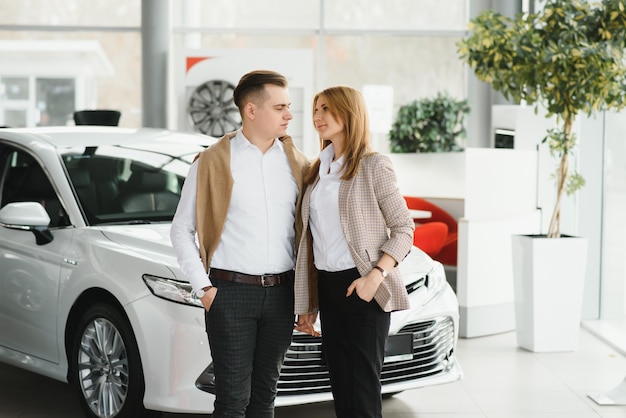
(375, 219)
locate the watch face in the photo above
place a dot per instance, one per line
(200, 294)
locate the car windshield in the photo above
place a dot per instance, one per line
(122, 184)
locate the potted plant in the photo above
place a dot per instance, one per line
(430, 125)
(567, 58)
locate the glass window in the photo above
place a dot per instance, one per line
(396, 14)
(614, 207)
(275, 14)
(119, 91)
(56, 101)
(119, 183)
(15, 118)
(71, 12)
(14, 88)
(256, 41)
(414, 66)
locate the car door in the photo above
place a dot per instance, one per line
(30, 273)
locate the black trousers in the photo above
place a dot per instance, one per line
(249, 329)
(354, 333)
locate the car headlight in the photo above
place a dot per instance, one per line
(172, 290)
(435, 283)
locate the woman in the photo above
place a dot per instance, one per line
(358, 229)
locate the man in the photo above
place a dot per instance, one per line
(240, 198)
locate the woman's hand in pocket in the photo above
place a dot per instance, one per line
(365, 287)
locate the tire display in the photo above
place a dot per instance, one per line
(212, 110)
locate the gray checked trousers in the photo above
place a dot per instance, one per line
(249, 329)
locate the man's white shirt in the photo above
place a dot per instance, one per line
(258, 236)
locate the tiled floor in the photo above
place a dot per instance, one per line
(501, 381)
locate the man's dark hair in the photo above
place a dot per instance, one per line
(252, 84)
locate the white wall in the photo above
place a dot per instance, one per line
(496, 190)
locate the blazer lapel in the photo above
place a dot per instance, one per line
(306, 204)
(345, 189)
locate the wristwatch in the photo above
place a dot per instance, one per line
(201, 292)
(382, 271)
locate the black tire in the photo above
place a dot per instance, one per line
(105, 367)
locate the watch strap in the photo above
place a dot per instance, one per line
(382, 271)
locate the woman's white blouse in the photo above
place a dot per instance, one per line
(330, 248)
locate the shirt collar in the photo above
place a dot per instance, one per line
(327, 165)
(241, 142)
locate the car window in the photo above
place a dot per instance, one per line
(24, 180)
(117, 185)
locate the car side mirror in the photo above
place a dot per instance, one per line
(27, 216)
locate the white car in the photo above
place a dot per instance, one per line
(91, 292)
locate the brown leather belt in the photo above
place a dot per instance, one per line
(265, 280)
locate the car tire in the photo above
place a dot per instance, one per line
(105, 366)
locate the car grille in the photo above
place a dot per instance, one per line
(304, 371)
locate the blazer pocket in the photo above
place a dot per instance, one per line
(373, 255)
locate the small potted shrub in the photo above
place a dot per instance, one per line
(430, 125)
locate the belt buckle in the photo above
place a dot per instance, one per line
(263, 282)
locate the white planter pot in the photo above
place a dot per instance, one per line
(549, 277)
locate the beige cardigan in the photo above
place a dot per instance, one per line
(215, 185)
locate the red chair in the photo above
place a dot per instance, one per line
(437, 236)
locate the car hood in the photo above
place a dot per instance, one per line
(416, 265)
(152, 242)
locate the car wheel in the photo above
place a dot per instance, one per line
(105, 365)
(212, 109)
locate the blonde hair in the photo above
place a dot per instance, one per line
(347, 105)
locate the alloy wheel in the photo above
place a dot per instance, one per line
(103, 368)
